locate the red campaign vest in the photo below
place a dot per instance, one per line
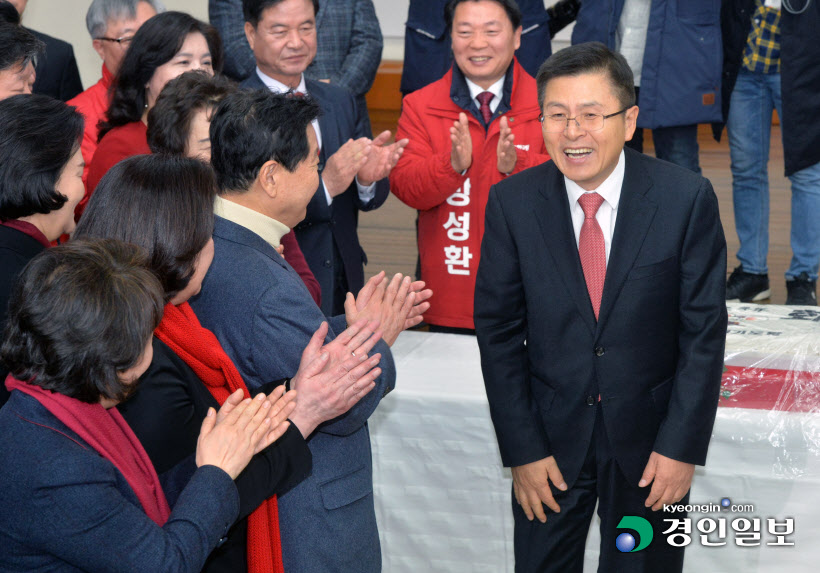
(451, 206)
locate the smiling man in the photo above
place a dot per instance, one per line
(601, 320)
(468, 130)
(353, 167)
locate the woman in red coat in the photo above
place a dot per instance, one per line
(165, 47)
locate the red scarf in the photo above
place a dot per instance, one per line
(199, 348)
(27, 229)
(107, 432)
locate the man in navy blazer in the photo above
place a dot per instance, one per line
(265, 155)
(601, 321)
(354, 168)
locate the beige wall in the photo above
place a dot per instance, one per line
(65, 19)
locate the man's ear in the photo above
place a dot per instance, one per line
(98, 47)
(517, 37)
(268, 176)
(250, 33)
(631, 118)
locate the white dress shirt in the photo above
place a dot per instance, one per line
(497, 89)
(366, 192)
(610, 190)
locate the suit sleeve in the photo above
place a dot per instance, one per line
(423, 178)
(84, 520)
(501, 327)
(279, 339)
(227, 17)
(687, 428)
(362, 60)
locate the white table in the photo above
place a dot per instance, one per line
(443, 499)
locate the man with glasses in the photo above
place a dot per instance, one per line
(111, 24)
(601, 321)
(468, 130)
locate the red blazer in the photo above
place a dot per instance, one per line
(451, 218)
(93, 104)
(119, 143)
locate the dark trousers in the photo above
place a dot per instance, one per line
(557, 546)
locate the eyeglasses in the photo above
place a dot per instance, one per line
(123, 41)
(558, 122)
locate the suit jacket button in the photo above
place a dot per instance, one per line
(599, 351)
(328, 263)
(590, 400)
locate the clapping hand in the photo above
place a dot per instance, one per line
(371, 298)
(342, 166)
(230, 442)
(332, 378)
(461, 153)
(382, 159)
(505, 150)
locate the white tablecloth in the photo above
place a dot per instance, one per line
(443, 499)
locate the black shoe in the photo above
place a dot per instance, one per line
(801, 291)
(747, 287)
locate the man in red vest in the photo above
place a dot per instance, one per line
(467, 131)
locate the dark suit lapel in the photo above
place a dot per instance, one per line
(635, 214)
(556, 227)
(330, 128)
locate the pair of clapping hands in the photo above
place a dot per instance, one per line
(333, 377)
(461, 153)
(368, 160)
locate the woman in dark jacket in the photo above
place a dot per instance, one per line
(165, 205)
(77, 490)
(39, 184)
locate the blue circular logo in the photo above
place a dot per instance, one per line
(725, 502)
(625, 542)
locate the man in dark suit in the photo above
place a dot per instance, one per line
(600, 316)
(57, 72)
(354, 168)
(265, 155)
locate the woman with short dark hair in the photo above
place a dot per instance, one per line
(179, 125)
(165, 205)
(40, 184)
(165, 47)
(77, 490)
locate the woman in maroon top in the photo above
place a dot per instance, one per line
(179, 124)
(165, 47)
(41, 170)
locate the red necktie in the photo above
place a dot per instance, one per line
(592, 249)
(484, 98)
